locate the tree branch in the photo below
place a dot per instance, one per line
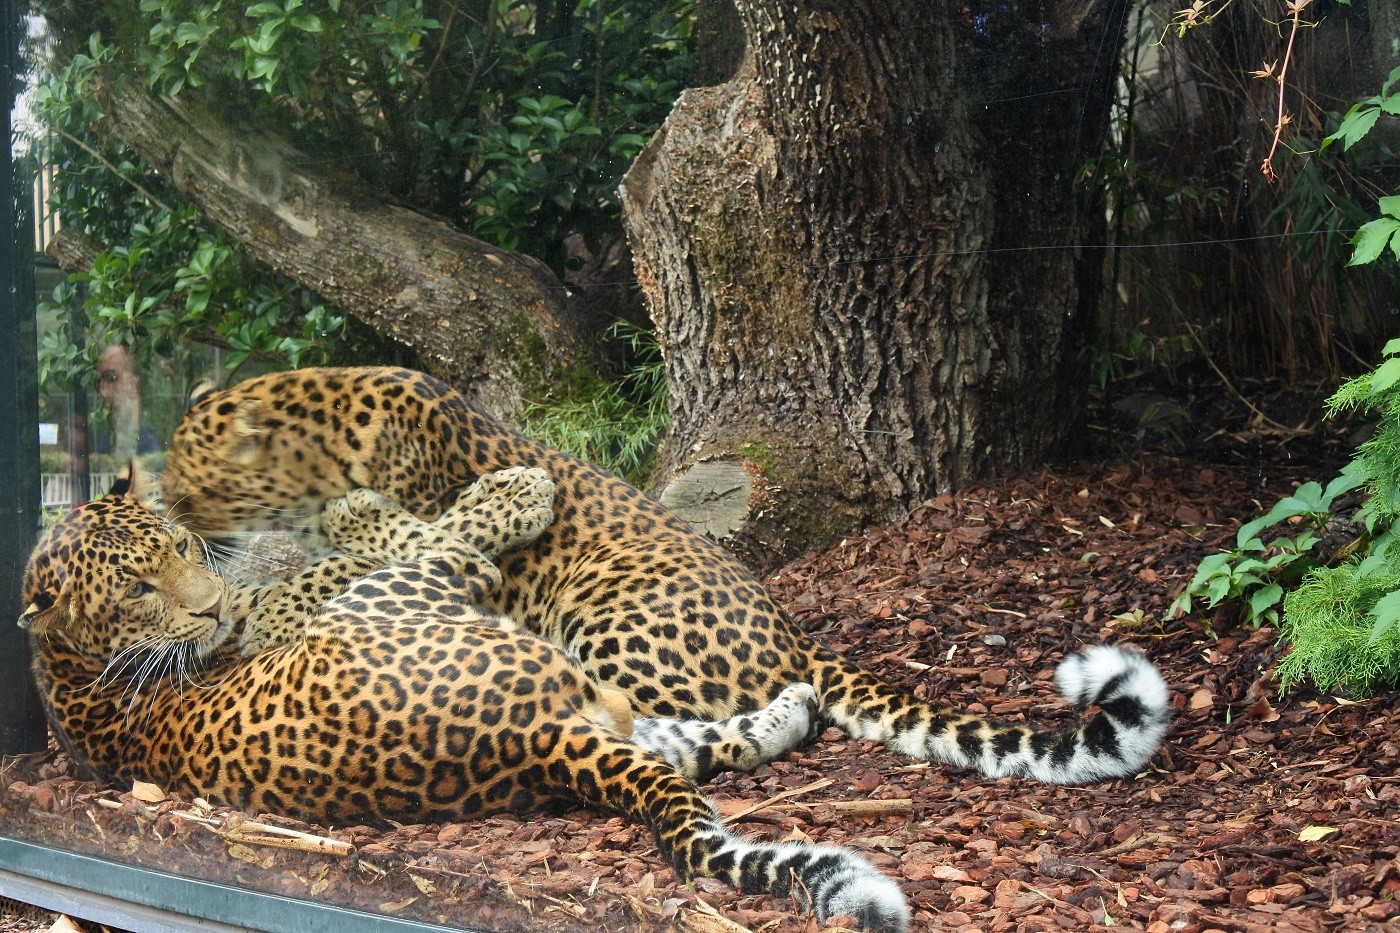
(493, 323)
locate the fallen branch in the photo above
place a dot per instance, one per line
(765, 804)
(263, 834)
(899, 806)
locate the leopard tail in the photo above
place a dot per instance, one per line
(1116, 742)
(828, 880)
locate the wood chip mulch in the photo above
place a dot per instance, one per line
(970, 602)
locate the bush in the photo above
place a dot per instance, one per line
(1342, 623)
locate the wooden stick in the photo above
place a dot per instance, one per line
(264, 834)
(765, 804)
(899, 806)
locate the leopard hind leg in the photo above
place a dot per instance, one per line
(606, 770)
(700, 749)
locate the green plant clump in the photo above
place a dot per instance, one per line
(614, 425)
(1341, 624)
(1256, 571)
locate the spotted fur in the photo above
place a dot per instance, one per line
(642, 602)
(403, 700)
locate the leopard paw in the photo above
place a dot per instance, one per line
(502, 511)
(365, 523)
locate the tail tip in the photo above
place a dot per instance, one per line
(863, 893)
(1102, 673)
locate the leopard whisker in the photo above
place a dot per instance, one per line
(119, 663)
(138, 680)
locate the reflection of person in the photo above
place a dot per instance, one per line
(120, 388)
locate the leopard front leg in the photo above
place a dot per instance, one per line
(700, 749)
(277, 614)
(368, 525)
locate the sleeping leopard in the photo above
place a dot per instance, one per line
(402, 699)
(640, 601)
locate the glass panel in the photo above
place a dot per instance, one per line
(364, 154)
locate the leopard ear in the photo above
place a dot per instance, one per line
(45, 613)
(247, 435)
(133, 483)
(202, 388)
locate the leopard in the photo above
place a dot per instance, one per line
(641, 601)
(402, 700)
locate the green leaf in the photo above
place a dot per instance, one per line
(308, 22)
(1350, 477)
(1264, 598)
(1383, 616)
(1371, 239)
(1357, 124)
(1392, 80)
(1210, 566)
(1248, 565)
(1384, 376)
(197, 301)
(1306, 500)
(1245, 581)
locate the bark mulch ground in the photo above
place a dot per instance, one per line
(970, 602)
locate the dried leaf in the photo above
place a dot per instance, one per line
(147, 793)
(423, 884)
(706, 919)
(1315, 833)
(243, 853)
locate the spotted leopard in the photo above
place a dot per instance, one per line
(643, 603)
(402, 700)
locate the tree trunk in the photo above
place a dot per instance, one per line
(495, 324)
(839, 259)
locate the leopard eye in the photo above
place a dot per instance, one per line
(139, 589)
(182, 547)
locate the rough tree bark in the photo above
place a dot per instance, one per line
(494, 323)
(820, 240)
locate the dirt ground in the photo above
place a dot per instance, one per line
(969, 602)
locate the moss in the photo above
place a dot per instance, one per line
(759, 455)
(754, 278)
(798, 505)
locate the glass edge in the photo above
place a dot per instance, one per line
(148, 901)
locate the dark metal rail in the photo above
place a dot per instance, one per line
(145, 901)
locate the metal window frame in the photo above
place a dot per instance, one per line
(139, 899)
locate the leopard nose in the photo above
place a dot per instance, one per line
(214, 612)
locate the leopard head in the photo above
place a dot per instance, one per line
(239, 462)
(111, 579)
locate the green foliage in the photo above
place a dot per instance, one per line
(514, 120)
(1377, 461)
(1255, 571)
(1341, 624)
(1374, 236)
(161, 276)
(617, 425)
